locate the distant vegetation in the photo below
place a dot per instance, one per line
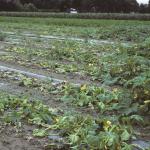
(109, 6)
(116, 16)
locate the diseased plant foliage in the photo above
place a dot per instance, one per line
(112, 104)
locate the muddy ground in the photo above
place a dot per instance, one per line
(12, 139)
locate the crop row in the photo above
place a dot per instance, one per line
(116, 16)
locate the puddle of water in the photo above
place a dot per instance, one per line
(13, 40)
(2, 84)
(101, 42)
(30, 34)
(55, 138)
(1, 46)
(10, 33)
(92, 41)
(45, 37)
(141, 144)
(3, 53)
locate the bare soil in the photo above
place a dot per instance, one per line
(12, 139)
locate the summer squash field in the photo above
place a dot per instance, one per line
(74, 84)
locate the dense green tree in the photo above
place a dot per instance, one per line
(149, 6)
(125, 6)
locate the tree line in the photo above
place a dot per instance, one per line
(109, 6)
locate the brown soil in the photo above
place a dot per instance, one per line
(12, 139)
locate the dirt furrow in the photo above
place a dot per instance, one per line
(43, 74)
(33, 75)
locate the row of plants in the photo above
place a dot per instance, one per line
(108, 64)
(102, 99)
(124, 66)
(76, 131)
(129, 68)
(120, 30)
(118, 110)
(108, 131)
(116, 16)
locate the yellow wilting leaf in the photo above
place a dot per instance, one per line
(74, 138)
(90, 65)
(115, 90)
(41, 88)
(57, 119)
(83, 87)
(106, 147)
(146, 92)
(45, 32)
(147, 102)
(121, 70)
(135, 96)
(106, 125)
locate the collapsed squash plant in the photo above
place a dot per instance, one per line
(79, 131)
(14, 110)
(97, 97)
(86, 132)
(116, 110)
(119, 102)
(110, 64)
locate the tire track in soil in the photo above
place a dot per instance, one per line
(33, 75)
(43, 74)
(13, 140)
